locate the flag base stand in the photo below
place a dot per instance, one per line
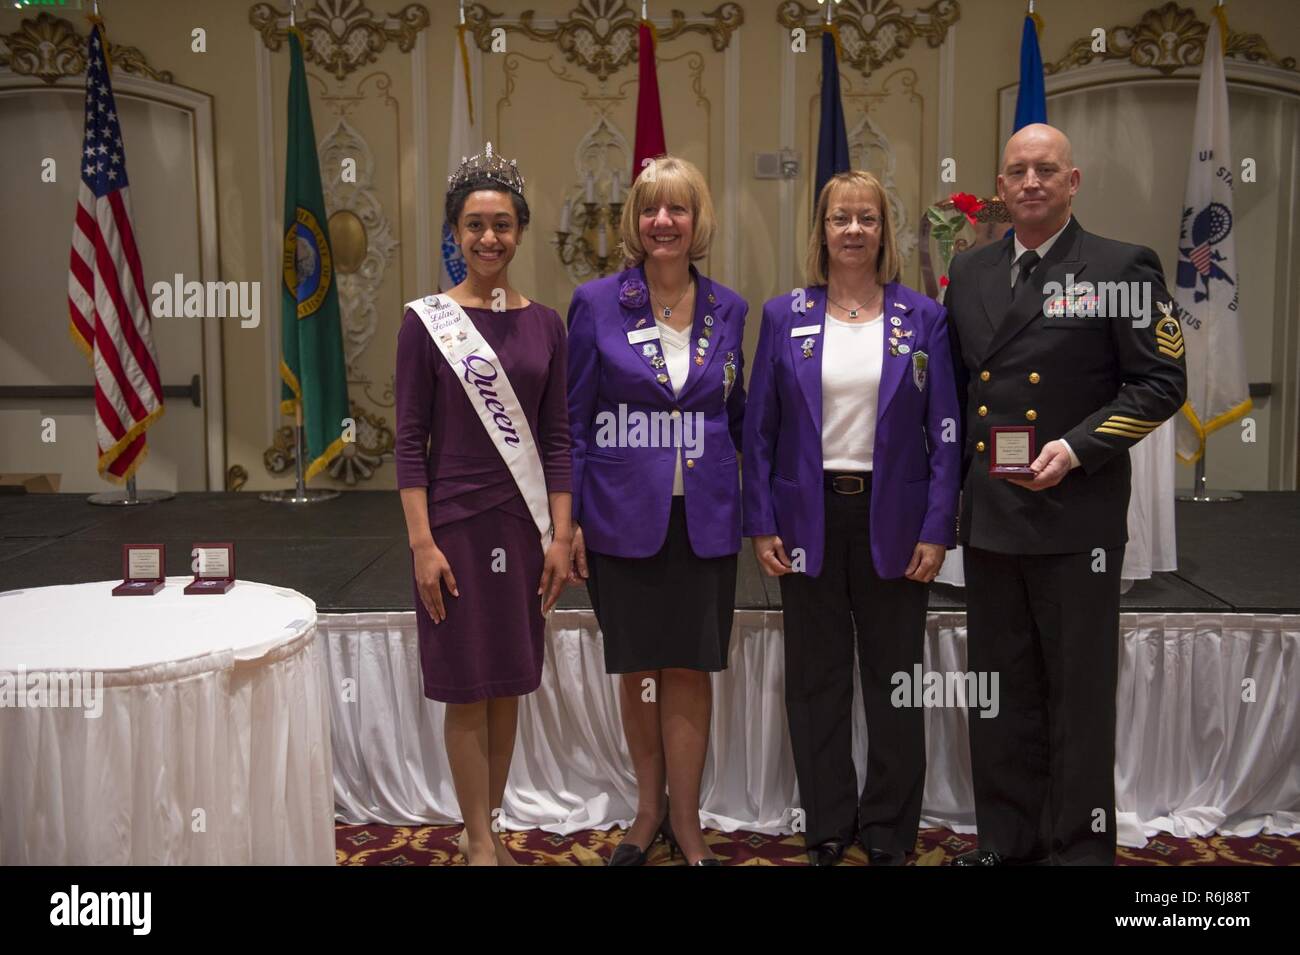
(298, 494)
(1200, 494)
(130, 496)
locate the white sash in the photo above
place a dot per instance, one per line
(489, 390)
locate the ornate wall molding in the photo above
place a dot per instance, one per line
(370, 241)
(874, 32)
(1166, 39)
(50, 48)
(358, 460)
(600, 36)
(342, 35)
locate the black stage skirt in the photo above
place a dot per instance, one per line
(670, 610)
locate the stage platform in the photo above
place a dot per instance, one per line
(350, 555)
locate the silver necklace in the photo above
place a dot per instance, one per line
(853, 312)
(667, 310)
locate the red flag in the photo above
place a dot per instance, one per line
(649, 118)
(106, 299)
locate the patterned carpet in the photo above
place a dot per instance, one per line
(436, 845)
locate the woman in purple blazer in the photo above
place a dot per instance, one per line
(850, 491)
(656, 402)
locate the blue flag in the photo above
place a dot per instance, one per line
(1031, 100)
(832, 141)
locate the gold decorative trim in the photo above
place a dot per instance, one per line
(50, 48)
(342, 35)
(236, 477)
(600, 36)
(358, 460)
(874, 32)
(1166, 39)
(278, 458)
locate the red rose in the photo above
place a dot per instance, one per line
(967, 203)
(943, 281)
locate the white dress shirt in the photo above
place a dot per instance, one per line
(676, 348)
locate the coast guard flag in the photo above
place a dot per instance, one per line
(832, 140)
(109, 319)
(313, 372)
(1031, 99)
(1207, 292)
(462, 143)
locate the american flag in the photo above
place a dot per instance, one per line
(106, 299)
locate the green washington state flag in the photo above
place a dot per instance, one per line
(312, 368)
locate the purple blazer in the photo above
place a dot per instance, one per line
(621, 494)
(916, 462)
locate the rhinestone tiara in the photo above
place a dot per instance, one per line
(488, 165)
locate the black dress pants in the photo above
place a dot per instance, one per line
(822, 616)
(1044, 767)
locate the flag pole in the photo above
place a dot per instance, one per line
(131, 496)
(299, 493)
(1200, 493)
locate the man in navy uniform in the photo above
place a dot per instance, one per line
(1036, 344)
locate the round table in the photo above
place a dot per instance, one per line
(171, 729)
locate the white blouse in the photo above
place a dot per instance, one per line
(676, 348)
(852, 356)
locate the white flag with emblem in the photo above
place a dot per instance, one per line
(1207, 292)
(463, 140)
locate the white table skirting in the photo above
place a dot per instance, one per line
(1192, 757)
(213, 744)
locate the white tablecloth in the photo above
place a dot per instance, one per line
(193, 729)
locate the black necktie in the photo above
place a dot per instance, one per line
(1027, 263)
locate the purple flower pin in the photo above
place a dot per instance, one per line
(633, 294)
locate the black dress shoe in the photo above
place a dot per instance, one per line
(826, 853)
(709, 861)
(881, 857)
(979, 857)
(627, 854)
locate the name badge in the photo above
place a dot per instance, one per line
(805, 330)
(643, 335)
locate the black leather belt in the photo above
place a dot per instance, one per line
(842, 482)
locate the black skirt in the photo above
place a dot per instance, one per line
(670, 610)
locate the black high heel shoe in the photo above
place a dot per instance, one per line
(625, 853)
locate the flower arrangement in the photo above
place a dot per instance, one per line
(947, 219)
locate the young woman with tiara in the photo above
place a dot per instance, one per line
(483, 464)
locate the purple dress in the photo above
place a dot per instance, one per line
(490, 643)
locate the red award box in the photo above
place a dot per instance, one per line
(144, 570)
(214, 568)
(1011, 451)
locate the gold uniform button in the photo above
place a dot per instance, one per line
(984, 376)
(1034, 378)
(980, 447)
(677, 412)
(690, 462)
(1031, 415)
(983, 410)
